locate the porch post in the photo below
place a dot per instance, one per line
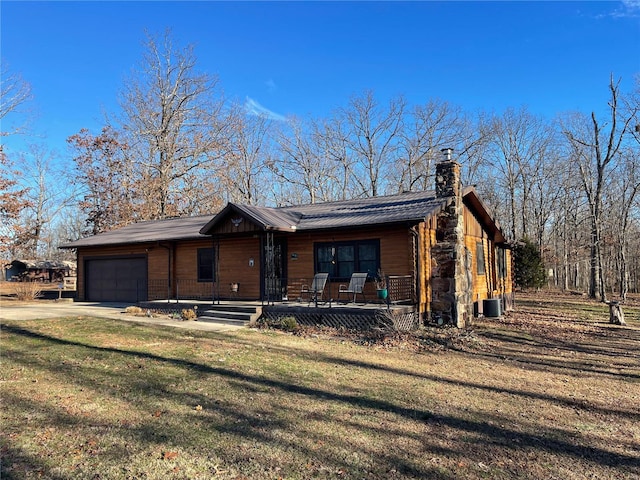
(215, 258)
(268, 269)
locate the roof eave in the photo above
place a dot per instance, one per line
(272, 228)
(72, 245)
(215, 220)
(471, 196)
(208, 228)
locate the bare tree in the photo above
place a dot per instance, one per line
(373, 136)
(70, 226)
(173, 122)
(546, 178)
(244, 168)
(331, 139)
(311, 162)
(48, 196)
(472, 145)
(519, 146)
(14, 93)
(297, 164)
(623, 201)
(428, 129)
(595, 147)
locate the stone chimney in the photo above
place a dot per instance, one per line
(451, 278)
(447, 175)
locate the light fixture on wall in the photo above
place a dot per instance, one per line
(251, 262)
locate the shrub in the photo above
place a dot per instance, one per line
(289, 324)
(188, 314)
(529, 268)
(27, 290)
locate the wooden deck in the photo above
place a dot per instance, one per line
(349, 315)
(332, 314)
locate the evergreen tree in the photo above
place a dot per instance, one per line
(529, 268)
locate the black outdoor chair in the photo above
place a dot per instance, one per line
(355, 287)
(316, 290)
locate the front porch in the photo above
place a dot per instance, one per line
(359, 316)
(400, 291)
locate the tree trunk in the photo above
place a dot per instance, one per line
(624, 273)
(595, 288)
(616, 316)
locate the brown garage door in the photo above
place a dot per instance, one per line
(119, 279)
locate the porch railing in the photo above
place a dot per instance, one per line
(275, 290)
(401, 289)
(158, 289)
(185, 289)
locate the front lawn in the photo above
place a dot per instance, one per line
(541, 393)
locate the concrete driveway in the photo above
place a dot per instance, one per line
(52, 309)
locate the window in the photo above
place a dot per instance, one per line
(480, 258)
(502, 263)
(341, 259)
(205, 264)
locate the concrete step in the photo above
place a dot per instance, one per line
(225, 314)
(231, 308)
(224, 321)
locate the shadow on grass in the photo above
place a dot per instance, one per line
(252, 424)
(516, 353)
(522, 358)
(552, 441)
(22, 464)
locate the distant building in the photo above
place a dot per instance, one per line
(39, 271)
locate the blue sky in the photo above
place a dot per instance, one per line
(307, 58)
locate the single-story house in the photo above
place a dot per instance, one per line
(39, 270)
(441, 251)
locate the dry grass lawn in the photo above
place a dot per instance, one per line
(551, 391)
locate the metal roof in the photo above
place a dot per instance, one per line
(401, 208)
(185, 228)
(271, 218)
(267, 218)
(405, 207)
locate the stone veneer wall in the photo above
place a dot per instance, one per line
(451, 279)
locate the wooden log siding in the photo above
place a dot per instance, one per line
(396, 257)
(427, 238)
(237, 224)
(489, 284)
(475, 234)
(233, 267)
